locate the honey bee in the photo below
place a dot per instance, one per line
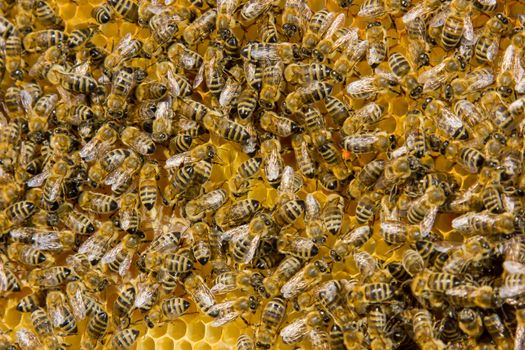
(76, 221)
(252, 9)
(163, 27)
(60, 313)
(9, 281)
(127, 48)
(455, 23)
(311, 93)
(154, 90)
(124, 339)
(483, 223)
(370, 113)
(96, 245)
(373, 8)
(245, 342)
(29, 255)
(123, 305)
(487, 44)
(441, 73)
(445, 120)
(366, 177)
(80, 36)
(96, 329)
(272, 317)
(303, 327)
(40, 41)
(25, 339)
(11, 48)
(48, 277)
(303, 156)
(103, 13)
(423, 334)
(264, 52)
(306, 278)
(97, 202)
(473, 81)
(185, 58)
(201, 294)
(226, 128)
(369, 87)
(272, 85)
(367, 142)
(377, 45)
(138, 140)
(294, 17)
(168, 310)
(118, 259)
(319, 23)
(277, 125)
(305, 73)
(495, 327)
(103, 139)
(200, 28)
(123, 83)
(196, 209)
(127, 9)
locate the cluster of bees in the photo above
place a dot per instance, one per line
(114, 172)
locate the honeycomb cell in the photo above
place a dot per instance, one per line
(202, 346)
(146, 343)
(184, 345)
(196, 330)
(230, 335)
(213, 334)
(177, 329)
(164, 343)
(158, 331)
(12, 317)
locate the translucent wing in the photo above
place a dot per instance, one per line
(81, 68)
(38, 180)
(222, 288)
(124, 44)
(346, 40)
(427, 223)
(76, 300)
(371, 9)
(27, 101)
(229, 93)
(144, 295)
(295, 285)
(492, 50)
(3, 278)
(236, 231)
(362, 86)
(174, 85)
(111, 255)
(335, 25)
(226, 313)
(287, 180)
(418, 11)
(328, 22)
(179, 159)
(273, 166)
(47, 240)
(513, 267)
(439, 19)
(125, 264)
(468, 32)
(295, 331)
(507, 61)
(312, 208)
(126, 217)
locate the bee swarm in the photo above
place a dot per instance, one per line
(201, 174)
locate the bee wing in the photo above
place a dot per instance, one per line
(111, 255)
(226, 313)
(47, 241)
(427, 223)
(371, 9)
(27, 101)
(507, 61)
(229, 93)
(518, 70)
(174, 85)
(124, 44)
(328, 22)
(125, 264)
(450, 119)
(76, 300)
(431, 73)
(418, 11)
(361, 86)
(347, 40)
(483, 82)
(312, 208)
(90, 149)
(514, 267)
(58, 315)
(335, 25)
(144, 295)
(222, 288)
(38, 180)
(234, 232)
(27, 339)
(287, 180)
(179, 159)
(226, 6)
(511, 291)
(295, 331)
(3, 278)
(81, 68)
(273, 166)
(492, 50)
(374, 55)
(439, 19)
(468, 32)
(294, 286)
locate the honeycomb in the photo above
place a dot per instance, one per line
(194, 330)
